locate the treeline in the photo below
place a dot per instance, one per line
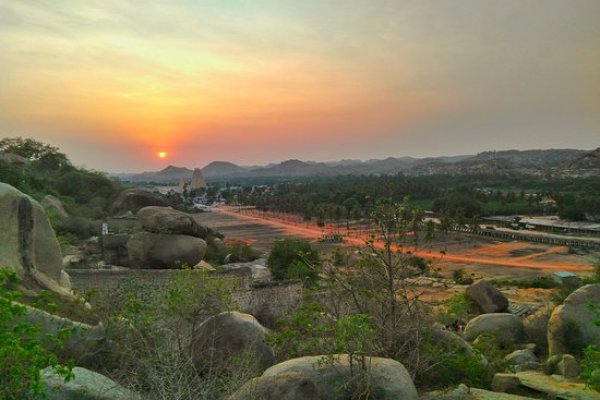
(352, 197)
(39, 169)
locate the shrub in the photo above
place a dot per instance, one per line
(590, 367)
(293, 259)
(22, 354)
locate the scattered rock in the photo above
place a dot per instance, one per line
(487, 297)
(133, 199)
(29, 246)
(155, 250)
(227, 335)
(563, 364)
(167, 220)
(205, 266)
(231, 258)
(316, 378)
(54, 205)
(506, 383)
(519, 357)
(72, 260)
(505, 327)
(528, 366)
(85, 385)
(571, 326)
(114, 249)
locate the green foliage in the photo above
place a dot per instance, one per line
(307, 330)
(22, 354)
(542, 282)
(85, 193)
(149, 328)
(590, 367)
(459, 277)
(494, 350)
(453, 366)
(294, 259)
(455, 308)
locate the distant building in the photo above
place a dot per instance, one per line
(564, 277)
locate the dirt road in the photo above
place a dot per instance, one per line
(311, 232)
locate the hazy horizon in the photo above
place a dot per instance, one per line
(260, 82)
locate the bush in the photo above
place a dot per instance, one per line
(294, 259)
(590, 367)
(241, 251)
(22, 354)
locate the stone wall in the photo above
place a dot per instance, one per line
(270, 300)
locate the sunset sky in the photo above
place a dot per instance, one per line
(114, 82)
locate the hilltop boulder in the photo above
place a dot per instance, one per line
(167, 220)
(328, 378)
(487, 297)
(28, 245)
(536, 329)
(230, 334)
(133, 199)
(161, 251)
(571, 326)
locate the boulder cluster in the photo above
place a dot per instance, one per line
(170, 239)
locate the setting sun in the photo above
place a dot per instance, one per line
(162, 154)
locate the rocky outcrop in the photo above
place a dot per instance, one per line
(571, 326)
(85, 385)
(507, 328)
(53, 205)
(133, 199)
(329, 378)
(162, 251)
(28, 244)
(536, 329)
(463, 392)
(487, 298)
(198, 182)
(167, 220)
(227, 335)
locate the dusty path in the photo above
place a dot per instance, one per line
(310, 232)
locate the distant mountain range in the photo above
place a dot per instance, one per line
(562, 162)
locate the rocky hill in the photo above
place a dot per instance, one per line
(568, 162)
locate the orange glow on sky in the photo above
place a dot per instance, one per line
(264, 81)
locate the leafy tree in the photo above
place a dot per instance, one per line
(22, 354)
(294, 259)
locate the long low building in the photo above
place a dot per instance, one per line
(546, 224)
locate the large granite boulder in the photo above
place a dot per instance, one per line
(28, 244)
(227, 335)
(324, 378)
(487, 297)
(133, 199)
(161, 251)
(507, 328)
(83, 341)
(53, 205)
(536, 329)
(167, 220)
(85, 385)
(520, 357)
(571, 326)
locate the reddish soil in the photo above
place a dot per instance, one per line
(490, 255)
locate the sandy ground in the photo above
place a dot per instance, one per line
(477, 256)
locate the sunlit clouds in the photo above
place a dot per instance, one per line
(261, 81)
